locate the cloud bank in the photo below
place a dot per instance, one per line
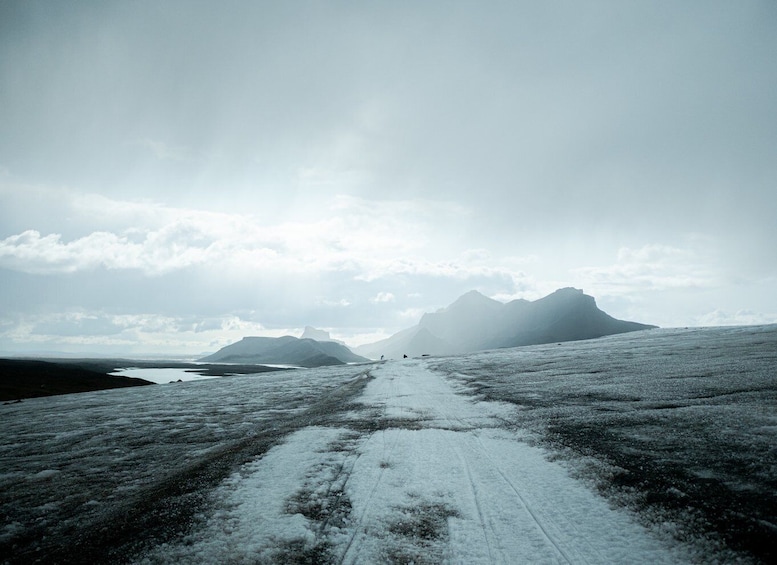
(173, 174)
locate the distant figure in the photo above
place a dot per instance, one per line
(381, 357)
(404, 356)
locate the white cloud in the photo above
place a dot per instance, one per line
(165, 151)
(739, 318)
(94, 331)
(383, 297)
(342, 303)
(160, 252)
(652, 267)
(370, 239)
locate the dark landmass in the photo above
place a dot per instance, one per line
(286, 350)
(23, 378)
(33, 378)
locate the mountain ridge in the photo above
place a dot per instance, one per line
(285, 350)
(475, 322)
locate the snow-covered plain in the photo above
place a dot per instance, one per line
(652, 447)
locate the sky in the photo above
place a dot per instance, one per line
(177, 175)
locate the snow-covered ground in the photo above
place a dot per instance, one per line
(652, 447)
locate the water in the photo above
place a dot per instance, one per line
(162, 376)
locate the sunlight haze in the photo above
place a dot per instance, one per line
(177, 175)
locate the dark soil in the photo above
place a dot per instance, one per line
(33, 378)
(21, 378)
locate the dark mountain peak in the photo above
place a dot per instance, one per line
(567, 295)
(569, 290)
(475, 322)
(286, 350)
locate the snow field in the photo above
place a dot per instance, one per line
(502, 501)
(493, 457)
(419, 474)
(257, 516)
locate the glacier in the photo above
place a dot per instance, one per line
(654, 446)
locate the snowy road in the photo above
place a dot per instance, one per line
(430, 477)
(590, 452)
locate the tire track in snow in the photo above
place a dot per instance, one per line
(358, 525)
(471, 432)
(544, 524)
(526, 506)
(435, 399)
(507, 503)
(476, 499)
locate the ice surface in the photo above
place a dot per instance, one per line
(651, 447)
(497, 499)
(74, 462)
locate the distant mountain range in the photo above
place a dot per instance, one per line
(475, 322)
(285, 350)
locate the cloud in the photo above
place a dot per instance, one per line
(99, 331)
(77, 324)
(370, 240)
(739, 318)
(158, 253)
(652, 267)
(383, 297)
(255, 164)
(166, 152)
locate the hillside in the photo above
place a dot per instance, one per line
(286, 350)
(475, 322)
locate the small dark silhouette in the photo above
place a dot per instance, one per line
(405, 356)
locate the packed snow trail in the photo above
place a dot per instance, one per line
(496, 499)
(417, 472)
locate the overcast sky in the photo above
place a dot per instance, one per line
(177, 175)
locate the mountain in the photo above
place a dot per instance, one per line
(464, 323)
(319, 335)
(475, 322)
(314, 333)
(566, 315)
(285, 350)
